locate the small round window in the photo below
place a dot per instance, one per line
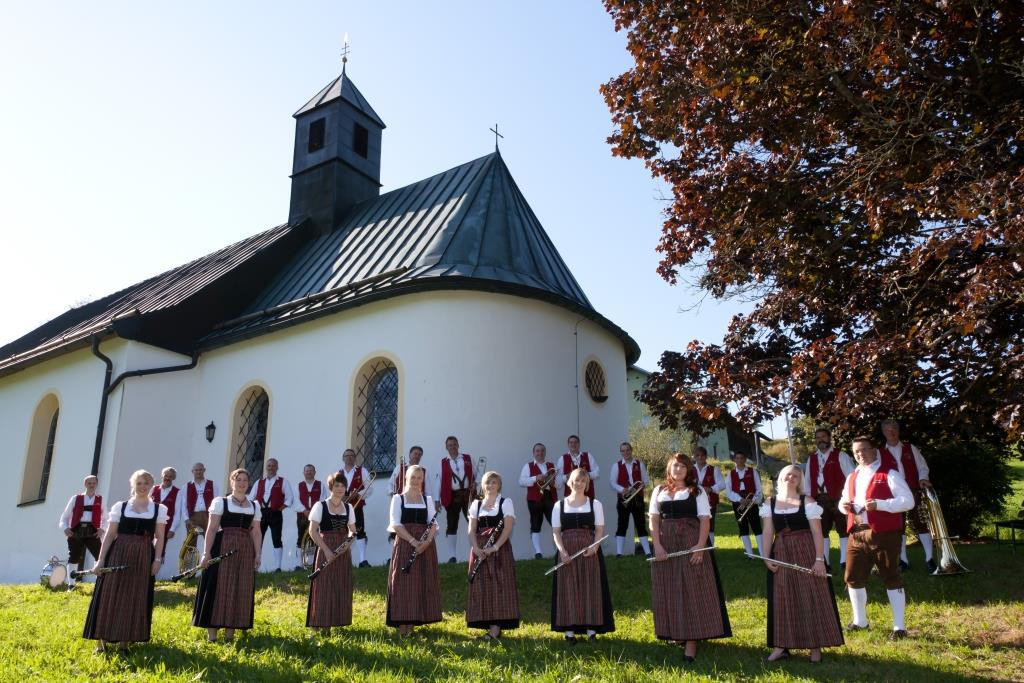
(596, 385)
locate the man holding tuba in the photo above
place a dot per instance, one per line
(628, 480)
(905, 457)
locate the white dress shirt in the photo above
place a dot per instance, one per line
(179, 505)
(740, 494)
(901, 501)
(719, 484)
(660, 495)
(324, 493)
(477, 509)
(65, 518)
(286, 489)
(613, 478)
(556, 514)
(367, 490)
(200, 486)
(846, 464)
(897, 453)
(526, 480)
(561, 477)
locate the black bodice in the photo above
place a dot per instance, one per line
(794, 521)
(236, 520)
(490, 521)
(414, 515)
(577, 520)
(678, 509)
(137, 526)
(329, 522)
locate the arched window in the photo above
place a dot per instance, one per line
(595, 381)
(249, 440)
(42, 437)
(375, 423)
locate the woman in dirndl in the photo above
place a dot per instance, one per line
(121, 609)
(492, 600)
(414, 589)
(686, 591)
(331, 522)
(802, 612)
(227, 591)
(580, 600)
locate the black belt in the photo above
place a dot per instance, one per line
(860, 527)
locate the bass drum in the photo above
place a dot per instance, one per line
(54, 575)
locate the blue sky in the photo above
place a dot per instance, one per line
(138, 136)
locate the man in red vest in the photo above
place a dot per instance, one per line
(274, 495)
(539, 502)
(310, 493)
(743, 489)
(166, 493)
(908, 460)
(873, 499)
(573, 460)
(627, 472)
(358, 478)
(458, 486)
(199, 495)
(83, 522)
(824, 476)
(710, 479)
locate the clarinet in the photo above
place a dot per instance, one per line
(189, 573)
(79, 573)
(423, 537)
(490, 542)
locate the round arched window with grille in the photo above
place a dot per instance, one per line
(597, 387)
(249, 441)
(375, 438)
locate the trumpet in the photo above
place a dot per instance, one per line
(547, 480)
(630, 493)
(950, 563)
(354, 495)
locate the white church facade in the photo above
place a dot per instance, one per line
(371, 321)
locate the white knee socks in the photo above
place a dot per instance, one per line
(824, 549)
(926, 543)
(746, 543)
(903, 550)
(842, 550)
(859, 603)
(619, 541)
(536, 543)
(452, 547)
(760, 542)
(646, 545)
(278, 555)
(711, 537)
(361, 549)
(898, 603)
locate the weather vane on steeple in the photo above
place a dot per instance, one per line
(496, 136)
(344, 54)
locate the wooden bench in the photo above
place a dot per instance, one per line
(1012, 525)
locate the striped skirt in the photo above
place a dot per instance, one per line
(413, 598)
(121, 610)
(687, 599)
(492, 598)
(330, 593)
(802, 611)
(227, 590)
(580, 599)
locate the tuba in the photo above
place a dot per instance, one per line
(478, 478)
(949, 564)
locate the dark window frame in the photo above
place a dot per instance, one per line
(317, 135)
(361, 140)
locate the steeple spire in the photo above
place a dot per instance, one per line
(344, 54)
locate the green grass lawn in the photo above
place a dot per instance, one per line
(961, 627)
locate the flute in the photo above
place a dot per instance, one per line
(680, 553)
(787, 565)
(573, 557)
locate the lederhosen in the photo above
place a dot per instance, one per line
(802, 612)
(580, 599)
(687, 599)
(540, 503)
(121, 609)
(226, 592)
(269, 517)
(635, 509)
(330, 593)
(85, 535)
(413, 597)
(492, 598)
(458, 507)
(876, 543)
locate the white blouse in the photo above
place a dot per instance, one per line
(556, 513)
(477, 509)
(396, 510)
(217, 508)
(115, 512)
(660, 495)
(811, 509)
(316, 514)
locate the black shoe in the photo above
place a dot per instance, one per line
(277, 571)
(592, 637)
(688, 659)
(452, 560)
(649, 555)
(364, 563)
(898, 634)
(571, 640)
(904, 566)
(538, 556)
(618, 554)
(852, 628)
(783, 655)
(932, 566)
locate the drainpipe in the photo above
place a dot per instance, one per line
(108, 388)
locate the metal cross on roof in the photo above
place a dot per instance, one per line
(496, 136)
(344, 54)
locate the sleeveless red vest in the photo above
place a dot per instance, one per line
(276, 493)
(355, 484)
(567, 469)
(886, 459)
(709, 481)
(79, 507)
(833, 475)
(308, 497)
(192, 496)
(447, 474)
(748, 482)
(878, 488)
(623, 479)
(170, 502)
(910, 472)
(533, 492)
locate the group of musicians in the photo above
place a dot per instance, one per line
(790, 527)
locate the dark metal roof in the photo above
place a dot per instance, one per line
(342, 87)
(150, 297)
(467, 228)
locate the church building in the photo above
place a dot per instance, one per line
(367, 321)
